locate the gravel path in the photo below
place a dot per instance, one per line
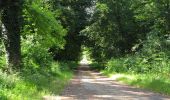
(89, 85)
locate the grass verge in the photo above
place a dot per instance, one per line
(29, 85)
(154, 82)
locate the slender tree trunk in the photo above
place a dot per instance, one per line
(11, 16)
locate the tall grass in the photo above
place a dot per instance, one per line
(153, 82)
(149, 73)
(29, 85)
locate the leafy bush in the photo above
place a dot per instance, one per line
(97, 66)
(157, 63)
(35, 55)
(58, 67)
(116, 65)
(152, 58)
(69, 65)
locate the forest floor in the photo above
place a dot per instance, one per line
(92, 85)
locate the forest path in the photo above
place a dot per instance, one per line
(90, 85)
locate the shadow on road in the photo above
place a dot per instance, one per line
(91, 85)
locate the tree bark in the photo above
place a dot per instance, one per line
(11, 18)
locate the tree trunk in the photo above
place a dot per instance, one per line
(11, 16)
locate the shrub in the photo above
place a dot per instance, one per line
(157, 63)
(116, 65)
(15, 86)
(35, 55)
(97, 66)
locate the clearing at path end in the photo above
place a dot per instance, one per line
(89, 85)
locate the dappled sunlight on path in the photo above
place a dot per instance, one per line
(89, 85)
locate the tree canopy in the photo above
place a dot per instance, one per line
(128, 36)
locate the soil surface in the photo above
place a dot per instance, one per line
(91, 85)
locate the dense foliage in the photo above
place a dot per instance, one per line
(73, 16)
(134, 32)
(29, 30)
(125, 36)
(132, 37)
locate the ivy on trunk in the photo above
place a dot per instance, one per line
(11, 22)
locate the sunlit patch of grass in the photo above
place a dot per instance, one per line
(32, 86)
(153, 82)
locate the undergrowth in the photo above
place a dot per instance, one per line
(153, 82)
(145, 72)
(33, 85)
(97, 66)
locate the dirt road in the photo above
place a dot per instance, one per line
(89, 85)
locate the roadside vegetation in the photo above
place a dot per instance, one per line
(130, 72)
(35, 84)
(40, 46)
(130, 40)
(152, 82)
